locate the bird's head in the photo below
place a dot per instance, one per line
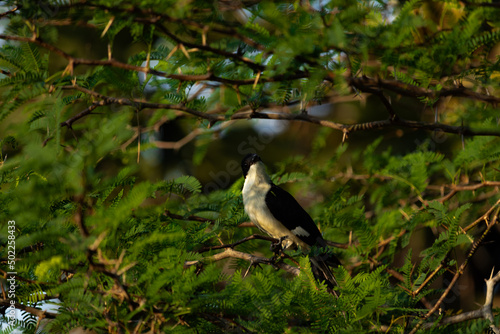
(248, 161)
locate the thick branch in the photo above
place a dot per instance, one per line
(115, 275)
(147, 70)
(367, 84)
(253, 259)
(364, 83)
(483, 217)
(348, 128)
(213, 117)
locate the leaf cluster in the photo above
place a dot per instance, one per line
(120, 246)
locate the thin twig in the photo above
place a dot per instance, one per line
(191, 217)
(467, 187)
(13, 10)
(234, 244)
(484, 312)
(176, 145)
(429, 278)
(69, 122)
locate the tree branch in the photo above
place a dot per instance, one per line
(129, 102)
(364, 83)
(230, 55)
(152, 17)
(484, 312)
(348, 128)
(176, 145)
(252, 237)
(69, 122)
(20, 278)
(13, 10)
(459, 272)
(367, 84)
(253, 259)
(39, 313)
(394, 121)
(193, 218)
(467, 187)
(484, 217)
(482, 4)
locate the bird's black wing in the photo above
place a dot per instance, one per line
(289, 212)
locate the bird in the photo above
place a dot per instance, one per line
(276, 212)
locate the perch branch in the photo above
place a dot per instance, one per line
(253, 259)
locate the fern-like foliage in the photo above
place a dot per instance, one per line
(132, 238)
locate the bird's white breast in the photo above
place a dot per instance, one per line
(254, 194)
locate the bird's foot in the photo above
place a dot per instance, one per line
(277, 248)
(276, 258)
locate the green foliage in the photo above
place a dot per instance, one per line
(126, 235)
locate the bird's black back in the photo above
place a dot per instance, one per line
(288, 211)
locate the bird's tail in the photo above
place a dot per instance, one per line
(320, 266)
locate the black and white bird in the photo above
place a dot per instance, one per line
(278, 214)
